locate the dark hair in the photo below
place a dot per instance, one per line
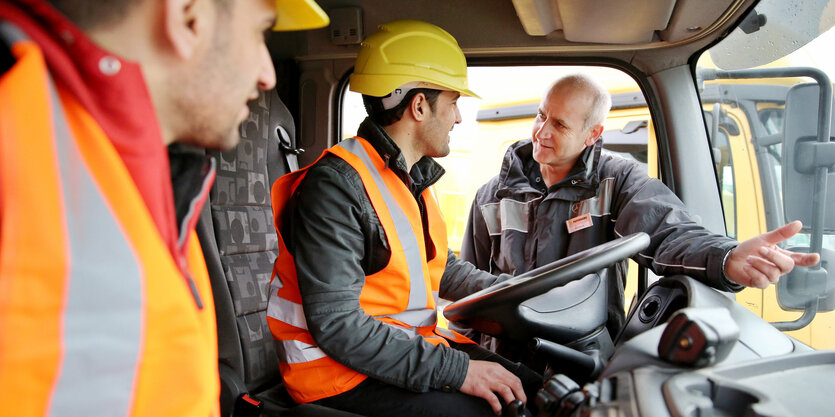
(87, 14)
(383, 117)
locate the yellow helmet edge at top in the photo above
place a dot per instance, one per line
(299, 15)
(405, 51)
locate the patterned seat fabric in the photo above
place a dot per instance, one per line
(240, 246)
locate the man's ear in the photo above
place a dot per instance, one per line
(186, 23)
(594, 134)
(417, 107)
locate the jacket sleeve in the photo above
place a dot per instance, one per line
(678, 244)
(328, 245)
(462, 278)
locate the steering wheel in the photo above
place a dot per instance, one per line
(495, 310)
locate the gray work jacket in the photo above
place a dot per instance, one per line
(516, 223)
(337, 240)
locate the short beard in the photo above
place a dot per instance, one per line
(199, 119)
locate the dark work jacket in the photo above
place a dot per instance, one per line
(516, 223)
(337, 240)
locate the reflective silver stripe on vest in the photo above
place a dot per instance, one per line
(103, 314)
(444, 332)
(293, 351)
(411, 332)
(419, 318)
(417, 312)
(599, 205)
(284, 310)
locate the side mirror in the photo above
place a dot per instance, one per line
(803, 154)
(809, 195)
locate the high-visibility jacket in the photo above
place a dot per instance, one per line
(96, 316)
(402, 295)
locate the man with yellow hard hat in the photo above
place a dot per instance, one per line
(105, 303)
(363, 254)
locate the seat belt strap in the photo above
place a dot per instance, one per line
(287, 149)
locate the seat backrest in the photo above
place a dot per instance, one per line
(240, 245)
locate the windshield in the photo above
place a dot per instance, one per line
(765, 111)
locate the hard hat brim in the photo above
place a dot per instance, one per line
(378, 85)
(299, 15)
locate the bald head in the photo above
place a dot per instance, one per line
(600, 101)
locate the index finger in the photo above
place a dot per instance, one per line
(518, 391)
(506, 392)
(491, 399)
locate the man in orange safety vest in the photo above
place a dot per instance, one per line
(105, 304)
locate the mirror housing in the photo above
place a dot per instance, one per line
(802, 155)
(796, 290)
(808, 190)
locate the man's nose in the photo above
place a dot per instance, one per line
(544, 130)
(266, 77)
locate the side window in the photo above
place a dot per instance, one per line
(504, 115)
(722, 127)
(745, 125)
(772, 119)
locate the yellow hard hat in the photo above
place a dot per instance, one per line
(406, 51)
(299, 15)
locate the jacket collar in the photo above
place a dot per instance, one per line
(192, 175)
(423, 174)
(112, 89)
(584, 172)
(518, 164)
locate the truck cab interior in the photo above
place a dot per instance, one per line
(657, 43)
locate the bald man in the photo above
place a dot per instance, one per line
(557, 194)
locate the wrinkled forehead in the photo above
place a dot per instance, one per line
(562, 96)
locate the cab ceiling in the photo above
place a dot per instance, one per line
(658, 33)
(619, 21)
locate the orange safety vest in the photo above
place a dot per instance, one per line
(96, 317)
(402, 295)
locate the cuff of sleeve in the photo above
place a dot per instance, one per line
(726, 283)
(502, 278)
(452, 375)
